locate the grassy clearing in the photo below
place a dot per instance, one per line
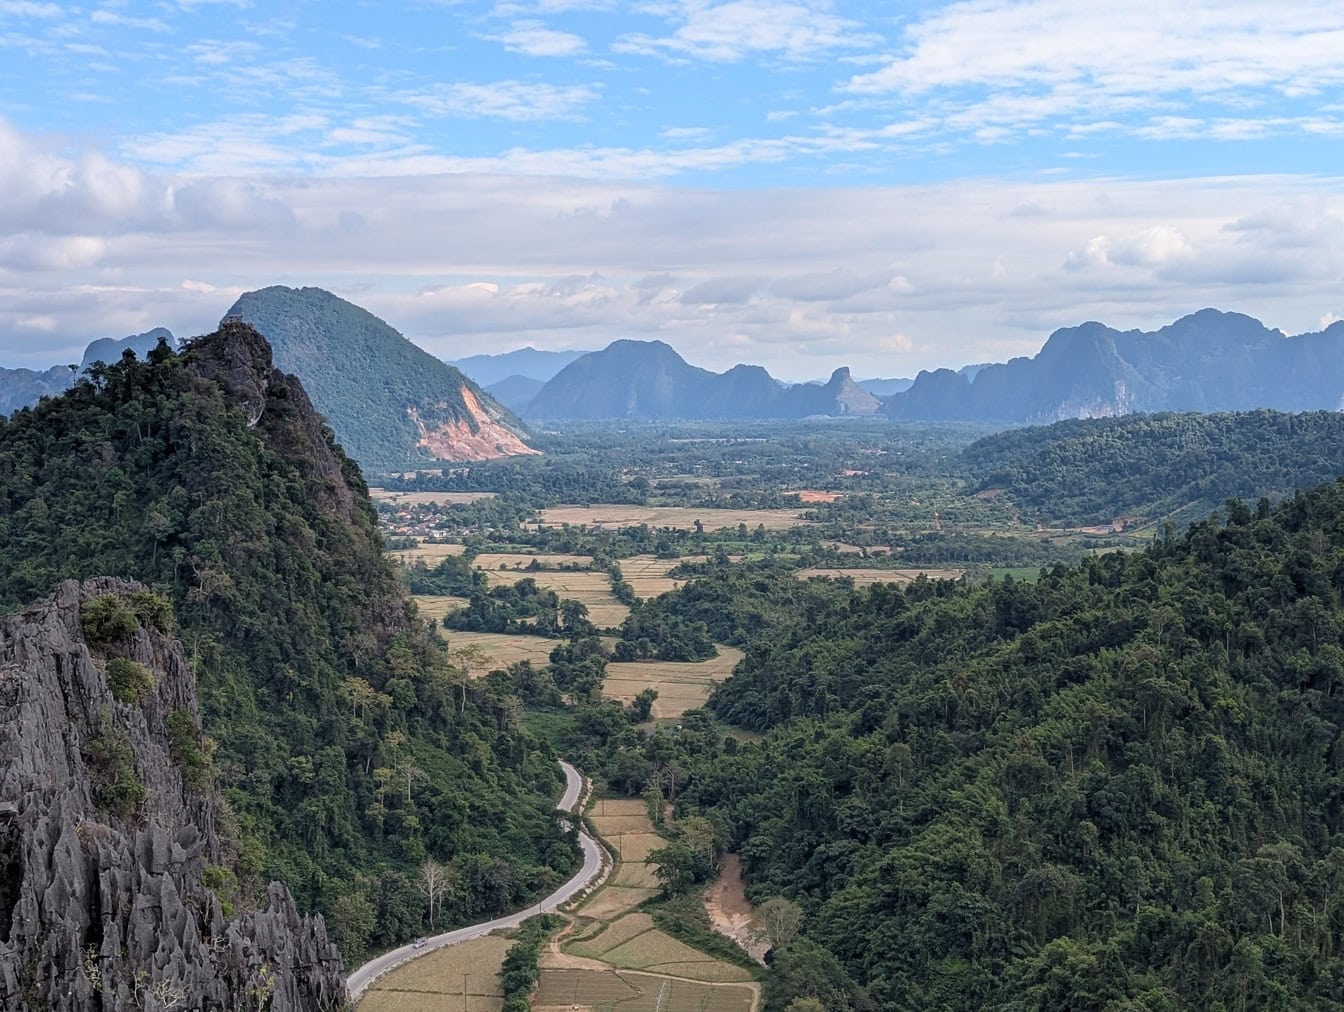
(647, 574)
(680, 686)
(868, 577)
(681, 517)
(636, 992)
(434, 981)
(428, 498)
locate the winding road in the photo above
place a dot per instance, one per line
(359, 980)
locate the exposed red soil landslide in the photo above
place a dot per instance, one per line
(457, 441)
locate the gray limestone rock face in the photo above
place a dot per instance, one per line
(105, 842)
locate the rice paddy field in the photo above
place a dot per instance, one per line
(432, 555)
(592, 589)
(682, 517)
(499, 650)
(868, 577)
(636, 992)
(521, 560)
(434, 982)
(435, 606)
(680, 686)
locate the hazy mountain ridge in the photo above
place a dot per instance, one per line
(20, 388)
(530, 363)
(515, 392)
(649, 380)
(1208, 361)
(391, 404)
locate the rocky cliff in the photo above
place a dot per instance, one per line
(110, 829)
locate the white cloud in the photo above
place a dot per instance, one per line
(511, 100)
(27, 9)
(532, 38)
(1014, 62)
(740, 29)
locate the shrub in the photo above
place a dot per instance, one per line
(153, 609)
(117, 787)
(130, 681)
(107, 619)
(520, 971)
(184, 745)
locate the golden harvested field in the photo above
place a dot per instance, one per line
(592, 589)
(618, 932)
(428, 498)
(434, 981)
(847, 549)
(431, 554)
(614, 900)
(868, 577)
(521, 560)
(647, 574)
(499, 650)
(680, 686)
(590, 990)
(436, 606)
(636, 876)
(682, 517)
(658, 952)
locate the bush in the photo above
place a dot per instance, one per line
(184, 745)
(520, 971)
(107, 619)
(153, 610)
(117, 787)
(130, 681)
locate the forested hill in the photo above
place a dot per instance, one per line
(1116, 788)
(1178, 465)
(348, 745)
(392, 405)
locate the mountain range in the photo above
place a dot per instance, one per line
(391, 404)
(1208, 361)
(649, 380)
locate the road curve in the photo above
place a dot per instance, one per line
(359, 980)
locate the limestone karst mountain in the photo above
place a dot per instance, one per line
(391, 404)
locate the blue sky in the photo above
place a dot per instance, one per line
(802, 184)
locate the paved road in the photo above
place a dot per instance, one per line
(360, 979)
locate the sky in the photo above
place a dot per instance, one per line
(800, 184)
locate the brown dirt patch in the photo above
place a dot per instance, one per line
(730, 912)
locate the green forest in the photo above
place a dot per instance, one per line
(1089, 471)
(347, 744)
(1117, 787)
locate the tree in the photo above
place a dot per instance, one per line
(780, 919)
(433, 881)
(350, 922)
(677, 868)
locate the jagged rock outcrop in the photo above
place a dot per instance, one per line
(107, 833)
